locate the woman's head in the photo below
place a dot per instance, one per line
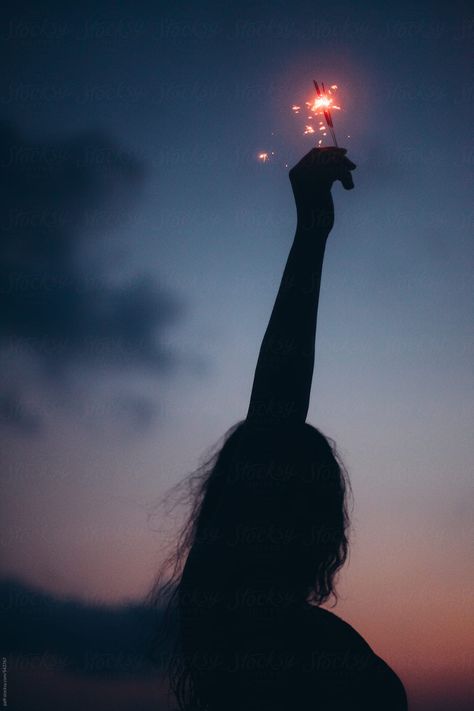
(269, 510)
(268, 516)
(273, 510)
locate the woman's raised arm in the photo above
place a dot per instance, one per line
(282, 382)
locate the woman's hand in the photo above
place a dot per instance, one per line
(312, 179)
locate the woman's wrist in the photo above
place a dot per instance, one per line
(317, 215)
(314, 223)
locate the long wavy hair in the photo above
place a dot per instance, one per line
(267, 510)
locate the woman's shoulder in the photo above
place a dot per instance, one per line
(322, 621)
(333, 640)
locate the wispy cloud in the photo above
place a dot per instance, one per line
(61, 310)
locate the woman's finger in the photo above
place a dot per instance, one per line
(349, 164)
(346, 180)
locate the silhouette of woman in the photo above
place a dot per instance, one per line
(268, 527)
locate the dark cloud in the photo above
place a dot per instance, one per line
(62, 652)
(83, 638)
(60, 308)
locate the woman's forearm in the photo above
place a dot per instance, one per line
(282, 382)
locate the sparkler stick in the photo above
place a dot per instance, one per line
(326, 110)
(322, 105)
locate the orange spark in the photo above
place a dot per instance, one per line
(320, 107)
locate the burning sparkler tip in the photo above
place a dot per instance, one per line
(321, 106)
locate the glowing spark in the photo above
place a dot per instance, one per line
(263, 157)
(321, 102)
(320, 108)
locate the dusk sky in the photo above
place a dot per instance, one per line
(142, 246)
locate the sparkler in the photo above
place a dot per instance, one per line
(325, 102)
(321, 106)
